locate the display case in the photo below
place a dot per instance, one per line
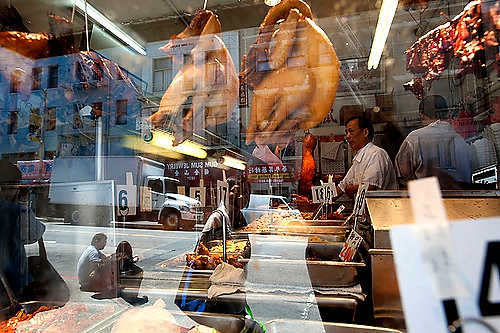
(204, 163)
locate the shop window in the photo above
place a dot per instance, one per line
(12, 124)
(162, 74)
(50, 119)
(15, 81)
(215, 75)
(77, 120)
(79, 72)
(35, 121)
(36, 76)
(53, 78)
(121, 112)
(188, 83)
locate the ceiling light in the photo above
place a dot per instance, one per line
(234, 163)
(385, 17)
(110, 26)
(272, 2)
(166, 140)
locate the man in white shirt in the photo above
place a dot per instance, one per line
(94, 268)
(436, 149)
(371, 164)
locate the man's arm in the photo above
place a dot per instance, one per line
(352, 189)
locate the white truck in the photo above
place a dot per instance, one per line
(131, 188)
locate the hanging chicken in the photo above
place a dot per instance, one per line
(205, 90)
(294, 72)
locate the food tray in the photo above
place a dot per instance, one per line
(290, 325)
(325, 236)
(312, 229)
(221, 322)
(316, 222)
(288, 272)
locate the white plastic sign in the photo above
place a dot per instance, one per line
(477, 246)
(126, 198)
(330, 192)
(318, 194)
(437, 251)
(351, 246)
(324, 193)
(223, 193)
(359, 204)
(198, 193)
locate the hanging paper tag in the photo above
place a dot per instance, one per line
(359, 204)
(222, 193)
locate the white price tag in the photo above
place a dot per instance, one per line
(359, 204)
(222, 193)
(477, 246)
(351, 246)
(126, 199)
(198, 193)
(318, 194)
(330, 192)
(340, 209)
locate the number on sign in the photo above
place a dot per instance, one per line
(492, 258)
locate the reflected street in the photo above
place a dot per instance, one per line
(65, 243)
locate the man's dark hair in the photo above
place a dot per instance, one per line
(434, 107)
(363, 123)
(97, 238)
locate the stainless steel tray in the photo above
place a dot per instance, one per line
(285, 326)
(326, 274)
(221, 322)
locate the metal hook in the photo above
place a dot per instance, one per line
(461, 321)
(205, 5)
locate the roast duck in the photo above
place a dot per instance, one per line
(466, 37)
(294, 72)
(308, 169)
(205, 90)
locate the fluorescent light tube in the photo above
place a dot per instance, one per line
(385, 17)
(272, 2)
(110, 26)
(166, 140)
(233, 163)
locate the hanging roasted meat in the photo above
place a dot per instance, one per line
(466, 37)
(308, 169)
(294, 73)
(205, 90)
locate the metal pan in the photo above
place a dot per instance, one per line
(221, 322)
(321, 273)
(281, 325)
